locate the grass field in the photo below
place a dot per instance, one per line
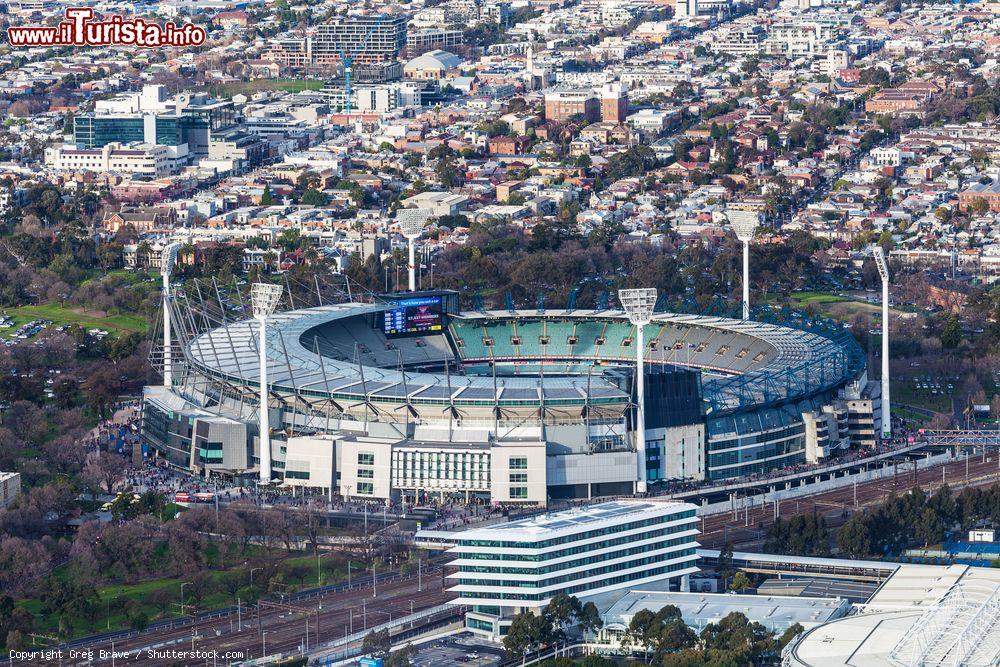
(903, 391)
(294, 573)
(63, 315)
(836, 306)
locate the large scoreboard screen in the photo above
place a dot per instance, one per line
(411, 317)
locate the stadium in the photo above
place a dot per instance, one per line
(408, 397)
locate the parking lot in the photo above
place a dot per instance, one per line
(463, 649)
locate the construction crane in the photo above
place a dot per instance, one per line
(348, 62)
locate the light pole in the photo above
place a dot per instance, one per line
(318, 556)
(168, 260)
(263, 643)
(264, 298)
(744, 223)
(115, 597)
(883, 272)
(252, 570)
(411, 224)
(186, 583)
(638, 305)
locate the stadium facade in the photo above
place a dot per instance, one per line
(410, 397)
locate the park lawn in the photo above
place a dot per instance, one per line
(806, 298)
(88, 319)
(145, 591)
(904, 392)
(835, 306)
(909, 415)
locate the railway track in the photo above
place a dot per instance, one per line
(747, 528)
(270, 628)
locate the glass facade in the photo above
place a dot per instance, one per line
(655, 540)
(98, 131)
(91, 131)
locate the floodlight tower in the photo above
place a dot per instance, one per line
(264, 298)
(638, 305)
(883, 272)
(744, 223)
(167, 262)
(411, 224)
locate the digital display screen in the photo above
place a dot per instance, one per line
(413, 316)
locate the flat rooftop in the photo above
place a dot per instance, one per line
(568, 522)
(776, 612)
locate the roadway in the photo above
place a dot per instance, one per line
(746, 529)
(272, 627)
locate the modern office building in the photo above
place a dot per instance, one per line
(517, 566)
(183, 123)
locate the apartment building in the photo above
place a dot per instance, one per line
(564, 105)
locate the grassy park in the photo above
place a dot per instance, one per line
(67, 315)
(132, 605)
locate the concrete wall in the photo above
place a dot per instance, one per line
(347, 462)
(500, 471)
(314, 455)
(591, 468)
(684, 452)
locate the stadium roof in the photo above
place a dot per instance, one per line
(923, 615)
(792, 362)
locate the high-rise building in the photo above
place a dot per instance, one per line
(614, 103)
(686, 8)
(367, 40)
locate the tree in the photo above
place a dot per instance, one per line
(589, 619)
(400, 658)
(528, 632)
(69, 600)
(740, 582)
(929, 529)
(791, 633)
(376, 644)
(267, 199)
(853, 538)
(559, 612)
(951, 333)
(725, 566)
(103, 471)
(312, 197)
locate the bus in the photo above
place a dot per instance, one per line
(204, 497)
(182, 497)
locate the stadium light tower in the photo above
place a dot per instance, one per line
(638, 305)
(411, 224)
(883, 272)
(264, 299)
(744, 223)
(167, 262)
